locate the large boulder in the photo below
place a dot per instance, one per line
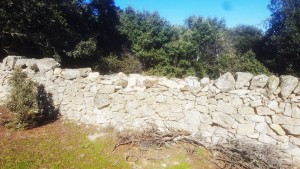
(46, 64)
(9, 62)
(259, 81)
(288, 84)
(226, 82)
(243, 79)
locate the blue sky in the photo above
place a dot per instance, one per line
(235, 12)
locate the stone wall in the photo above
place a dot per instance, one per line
(262, 109)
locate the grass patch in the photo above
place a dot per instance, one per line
(59, 146)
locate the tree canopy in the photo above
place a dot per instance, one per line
(97, 34)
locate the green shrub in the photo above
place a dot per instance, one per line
(29, 102)
(126, 64)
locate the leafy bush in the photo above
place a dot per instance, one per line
(230, 62)
(128, 64)
(28, 101)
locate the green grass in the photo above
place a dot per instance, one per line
(65, 147)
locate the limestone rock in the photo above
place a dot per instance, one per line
(107, 89)
(296, 99)
(296, 112)
(222, 119)
(277, 128)
(150, 82)
(273, 105)
(121, 82)
(254, 118)
(70, 74)
(297, 89)
(281, 119)
(242, 79)
(288, 84)
(295, 140)
(57, 72)
(264, 128)
(169, 84)
(204, 81)
(259, 81)
(293, 130)
(192, 82)
(93, 75)
(101, 100)
(47, 64)
(266, 139)
(246, 129)
(225, 107)
(84, 72)
(226, 82)
(273, 83)
(10, 61)
(246, 110)
(264, 111)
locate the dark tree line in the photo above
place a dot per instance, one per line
(98, 34)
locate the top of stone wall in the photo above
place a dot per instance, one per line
(285, 86)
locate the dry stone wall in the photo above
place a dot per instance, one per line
(260, 109)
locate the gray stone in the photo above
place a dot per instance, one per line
(297, 89)
(264, 111)
(273, 83)
(225, 107)
(295, 140)
(70, 74)
(169, 84)
(204, 81)
(47, 64)
(246, 110)
(246, 129)
(222, 119)
(242, 79)
(281, 119)
(259, 81)
(264, 128)
(93, 75)
(121, 82)
(266, 139)
(256, 103)
(288, 110)
(84, 72)
(293, 130)
(150, 82)
(101, 100)
(273, 105)
(192, 82)
(296, 99)
(288, 84)
(226, 82)
(10, 61)
(277, 128)
(296, 113)
(57, 72)
(254, 118)
(236, 102)
(107, 89)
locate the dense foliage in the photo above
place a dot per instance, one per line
(96, 33)
(280, 47)
(29, 102)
